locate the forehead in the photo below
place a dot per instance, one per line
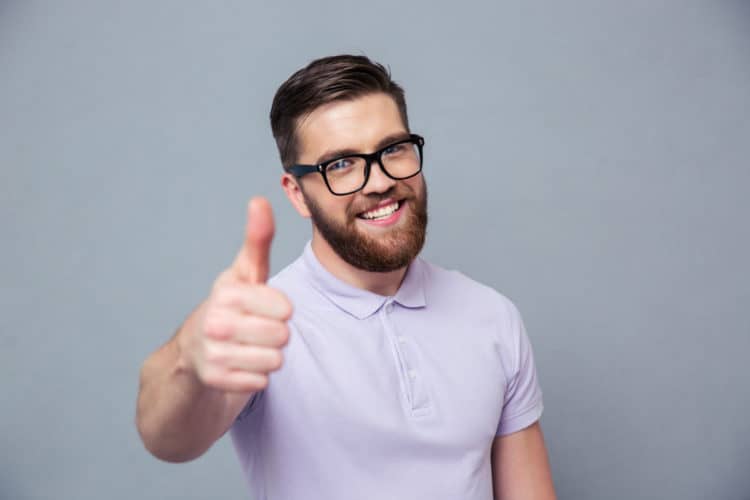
(357, 124)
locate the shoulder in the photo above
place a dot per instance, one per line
(453, 285)
(480, 307)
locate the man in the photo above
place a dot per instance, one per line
(360, 370)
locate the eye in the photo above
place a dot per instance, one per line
(341, 164)
(394, 149)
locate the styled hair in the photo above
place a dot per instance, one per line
(337, 78)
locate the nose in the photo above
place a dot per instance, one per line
(378, 181)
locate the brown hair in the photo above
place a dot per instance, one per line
(342, 77)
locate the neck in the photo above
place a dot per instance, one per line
(386, 284)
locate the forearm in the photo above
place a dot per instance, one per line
(520, 466)
(177, 416)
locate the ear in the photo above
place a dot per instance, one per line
(294, 193)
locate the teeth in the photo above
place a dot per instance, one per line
(381, 212)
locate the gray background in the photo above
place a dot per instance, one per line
(588, 159)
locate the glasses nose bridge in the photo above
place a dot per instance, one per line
(376, 157)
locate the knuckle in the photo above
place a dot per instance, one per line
(220, 294)
(217, 327)
(277, 360)
(231, 296)
(211, 325)
(283, 335)
(279, 302)
(214, 356)
(212, 378)
(287, 309)
(255, 382)
(258, 288)
(262, 382)
(288, 312)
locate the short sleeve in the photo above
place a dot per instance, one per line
(523, 397)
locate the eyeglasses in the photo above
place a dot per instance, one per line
(348, 174)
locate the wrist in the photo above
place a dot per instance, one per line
(184, 365)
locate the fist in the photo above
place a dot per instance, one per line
(238, 334)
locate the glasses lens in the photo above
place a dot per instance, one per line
(346, 174)
(402, 160)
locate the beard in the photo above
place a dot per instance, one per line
(390, 251)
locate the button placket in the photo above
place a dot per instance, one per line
(400, 359)
(410, 377)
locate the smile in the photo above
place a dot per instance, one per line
(381, 212)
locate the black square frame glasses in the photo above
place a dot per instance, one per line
(355, 167)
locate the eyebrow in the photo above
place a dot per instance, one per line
(385, 141)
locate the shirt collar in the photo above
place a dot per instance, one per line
(362, 303)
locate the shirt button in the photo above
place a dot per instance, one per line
(389, 307)
(401, 340)
(412, 374)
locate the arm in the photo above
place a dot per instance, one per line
(178, 417)
(520, 467)
(194, 386)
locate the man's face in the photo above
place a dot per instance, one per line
(373, 245)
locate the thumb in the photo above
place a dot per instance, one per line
(252, 262)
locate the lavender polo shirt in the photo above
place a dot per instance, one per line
(388, 397)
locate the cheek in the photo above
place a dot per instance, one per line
(339, 210)
(416, 185)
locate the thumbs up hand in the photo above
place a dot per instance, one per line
(241, 328)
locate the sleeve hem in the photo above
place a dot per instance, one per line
(521, 421)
